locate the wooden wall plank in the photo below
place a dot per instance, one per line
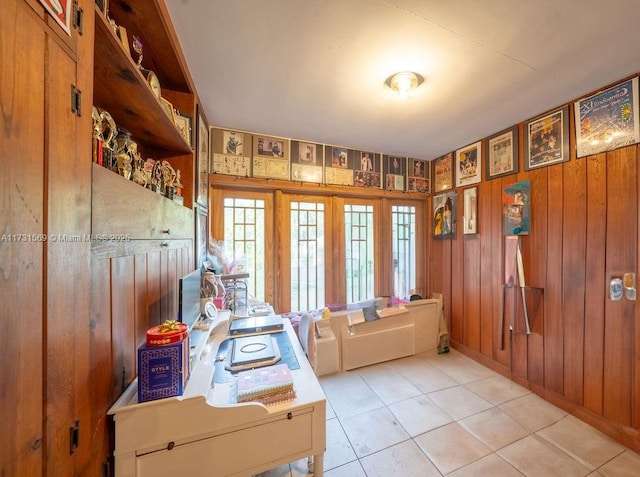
(486, 269)
(122, 325)
(621, 251)
(140, 299)
(471, 287)
(501, 310)
(553, 326)
(596, 288)
(573, 270)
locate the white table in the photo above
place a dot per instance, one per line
(204, 433)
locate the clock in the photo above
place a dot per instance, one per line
(153, 81)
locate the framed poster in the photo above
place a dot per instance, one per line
(443, 173)
(230, 152)
(546, 139)
(501, 153)
(271, 157)
(469, 165)
(607, 120)
(470, 211)
(516, 208)
(444, 216)
(419, 175)
(367, 170)
(395, 169)
(307, 161)
(184, 123)
(202, 234)
(338, 167)
(60, 10)
(202, 161)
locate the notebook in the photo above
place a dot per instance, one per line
(253, 351)
(269, 384)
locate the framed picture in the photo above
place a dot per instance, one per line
(307, 162)
(470, 211)
(395, 168)
(202, 233)
(419, 175)
(60, 10)
(202, 161)
(516, 208)
(469, 165)
(546, 139)
(367, 170)
(271, 157)
(607, 120)
(184, 123)
(168, 109)
(501, 152)
(444, 216)
(443, 173)
(339, 165)
(230, 152)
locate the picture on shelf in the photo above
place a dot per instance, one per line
(307, 162)
(233, 143)
(184, 123)
(443, 173)
(267, 147)
(271, 157)
(419, 176)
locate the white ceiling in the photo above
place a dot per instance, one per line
(315, 69)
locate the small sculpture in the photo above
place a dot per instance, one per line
(137, 47)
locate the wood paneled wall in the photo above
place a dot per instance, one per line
(583, 353)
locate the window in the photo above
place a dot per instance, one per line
(307, 256)
(359, 250)
(244, 239)
(404, 250)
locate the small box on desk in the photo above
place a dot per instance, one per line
(163, 371)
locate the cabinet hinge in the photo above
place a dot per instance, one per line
(76, 101)
(74, 437)
(78, 17)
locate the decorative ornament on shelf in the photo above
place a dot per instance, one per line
(137, 47)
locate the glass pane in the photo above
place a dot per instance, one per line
(404, 250)
(359, 250)
(307, 256)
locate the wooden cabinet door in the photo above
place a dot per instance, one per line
(22, 90)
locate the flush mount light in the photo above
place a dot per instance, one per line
(404, 82)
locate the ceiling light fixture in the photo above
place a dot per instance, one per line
(404, 82)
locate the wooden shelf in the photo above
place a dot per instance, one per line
(121, 89)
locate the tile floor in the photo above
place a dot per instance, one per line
(436, 415)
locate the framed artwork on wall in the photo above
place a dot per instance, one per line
(502, 153)
(202, 233)
(419, 175)
(271, 157)
(469, 164)
(470, 211)
(607, 120)
(202, 161)
(444, 216)
(60, 10)
(516, 208)
(443, 173)
(546, 139)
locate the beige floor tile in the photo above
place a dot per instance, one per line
(584, 443)
(339, 450)
(419, 415)
(352, 469)
(349, 394)
(459, 402)
(491, 465)
(388, 384)
(372, 431)
(626, 464)
(494, 427)
(460, 367)
(532, 411)
(536, 458)
(422, 375)
(497, 389)
(401, 460)
(451, 447)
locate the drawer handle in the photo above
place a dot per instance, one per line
(165, 231)
(164, 244)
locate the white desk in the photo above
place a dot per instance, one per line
(202, 433)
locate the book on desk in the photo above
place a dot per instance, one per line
(268, 385)
(253, 325)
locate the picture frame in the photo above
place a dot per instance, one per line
(202, 160)
(546, 139)
(124, 39)
(516, 208)
(501, 153)
(443, 173)
(444, 216)
(419, 175)
(184, 123)
(469, 164)
(60, 10)
(395, 170)
(271, 159)
(367, 170)
(607, 120)
(202, 232)
(168, 109)
(470, 211)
